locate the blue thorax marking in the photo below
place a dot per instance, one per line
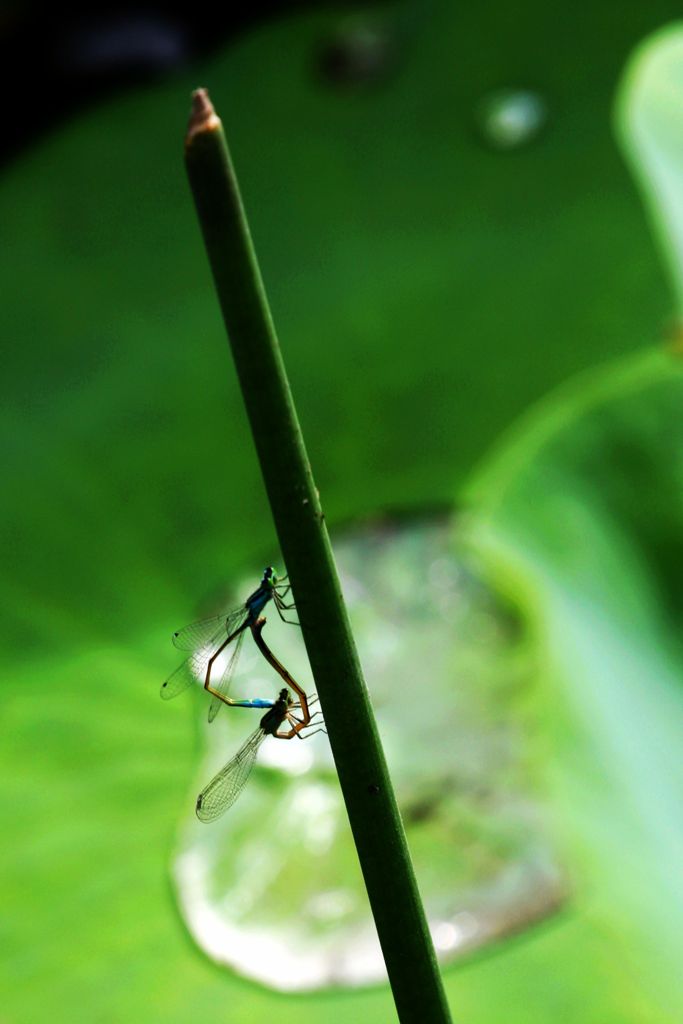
(257, 601)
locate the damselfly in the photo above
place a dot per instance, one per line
(227, 785)
(208, 639)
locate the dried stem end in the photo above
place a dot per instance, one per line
(203, 117)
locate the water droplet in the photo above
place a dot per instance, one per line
(272, 889)
(359, 52)
(511, 118)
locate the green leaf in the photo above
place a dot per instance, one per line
(426, 288)
(579, 520)
(649, 119)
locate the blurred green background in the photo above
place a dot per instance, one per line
(493, 328)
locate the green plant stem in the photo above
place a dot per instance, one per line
(371, 805)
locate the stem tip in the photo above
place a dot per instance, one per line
(203, 117)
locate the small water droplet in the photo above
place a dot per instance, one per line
(511, 118)
(360, 52)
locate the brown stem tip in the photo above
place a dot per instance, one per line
(203, 117)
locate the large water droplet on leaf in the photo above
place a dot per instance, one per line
(273, 888)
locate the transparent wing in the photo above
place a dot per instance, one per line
(200, 634)
(223, 684)
(192, 670)
(227, 785)
(203, 639)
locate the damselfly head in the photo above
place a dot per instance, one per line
(268, 574)
(274, 717)
(279, 706)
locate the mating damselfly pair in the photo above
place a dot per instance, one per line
(206, 641)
